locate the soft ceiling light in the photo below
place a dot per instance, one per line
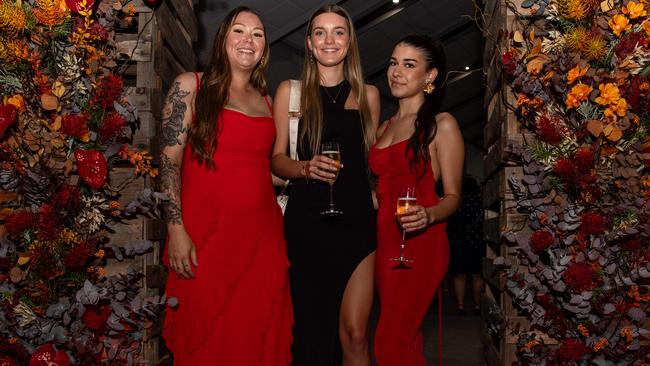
(395, 1)
(466, 67)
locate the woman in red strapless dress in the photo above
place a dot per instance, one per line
(225, 248)
(416, 147)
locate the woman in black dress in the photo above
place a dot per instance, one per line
(332, 258)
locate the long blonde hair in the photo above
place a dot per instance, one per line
(311, 104)
(212, 95)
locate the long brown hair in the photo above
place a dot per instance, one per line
(425, 122)
(311, 104)
(212, 95)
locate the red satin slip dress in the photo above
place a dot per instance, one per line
(404, 294)
(237, 311)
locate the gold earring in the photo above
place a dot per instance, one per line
(429, 87)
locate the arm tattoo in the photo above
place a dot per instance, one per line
(170, 183)
(172, 122)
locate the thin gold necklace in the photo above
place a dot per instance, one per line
(334, 99)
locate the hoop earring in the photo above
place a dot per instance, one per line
(429, 87)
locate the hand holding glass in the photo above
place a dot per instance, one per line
(332, 151)
(405, 200)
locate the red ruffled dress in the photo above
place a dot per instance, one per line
(237, 311)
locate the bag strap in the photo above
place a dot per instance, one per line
(294, 118)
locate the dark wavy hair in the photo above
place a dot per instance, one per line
(212, 95)
(425, 122)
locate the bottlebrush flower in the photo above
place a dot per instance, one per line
(574, 9)
(79, 255)
(584, 160)
(109, 90)
(541, 240)
(572, 350)
(566, 169)
(619, 24)
(595, 48)
(66, 198)
(578, 94)
(75, 125)
(634, 10)
(12, 19)
(576, 38)
(550, 129)
(579, 277)
(592, 223)
(19, 221)
(48, 222)
(112, 126)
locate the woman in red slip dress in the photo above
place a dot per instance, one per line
(416, 147)
(225, 247)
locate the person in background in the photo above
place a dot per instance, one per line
(416, 147)
(465, 231)
(225, 245)
(331, 254)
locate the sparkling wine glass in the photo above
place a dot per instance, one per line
(405, 200)
(332, 151)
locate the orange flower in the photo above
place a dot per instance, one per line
(578, 93)
(646, 27)
(576, 73)
(18, 101)
(619, 24)
(115, 205)
(101, 271)
(627, 334)
(634, 10)
(100, 253)
(600, 344)
(583, 330)
(609, 94)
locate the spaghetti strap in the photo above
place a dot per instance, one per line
(384, 131)
(268, 104)
(198, 81)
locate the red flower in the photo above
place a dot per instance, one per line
(628, 43)
(632, 245)
(95, 317)
(541, 240)
(509, 62)
(109, 90)
(92, 167)
(572, 350)
(584, 159)
(46, 355)
(7, 361)
(48, 222)
(75, 125)
(592, 223)
(78, 255)
(18, 222)
(112, 126)
(75, 5)
(99, 31)
(566, 169)
(550, 129)
(579, 277)
(8, 115)
(66, 198)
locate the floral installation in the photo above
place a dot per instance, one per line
(65, 120)
(579, 71)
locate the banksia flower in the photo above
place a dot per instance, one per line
(575, 9)
(12, 19)
(595, 48)
(49, 12)
(576, 38)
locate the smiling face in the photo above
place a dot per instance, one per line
(408, 71)
(246, 41)
(329, 39)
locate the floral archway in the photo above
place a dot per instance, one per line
(579, 71)
(65, 122)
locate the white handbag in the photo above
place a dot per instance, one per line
(294, 119)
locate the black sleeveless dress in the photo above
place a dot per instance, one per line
(324, 252)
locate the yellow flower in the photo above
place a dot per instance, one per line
(576, 38)
(600, 344)
(619, 24)
(595, 48)
(12, 18)
(49, 12)
(609, 94)
(574, 9)
(620, 108)
(578, 93)
(576, 73)
(634, 10)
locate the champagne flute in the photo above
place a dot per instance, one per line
(405, 200)
(332, 151)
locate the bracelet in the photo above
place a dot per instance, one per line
(304, 172)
